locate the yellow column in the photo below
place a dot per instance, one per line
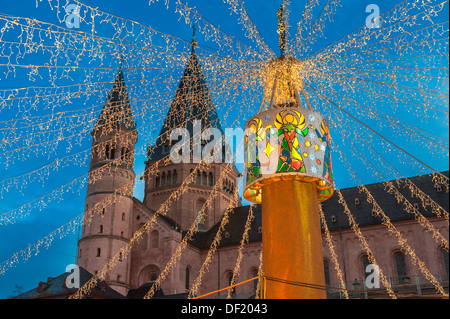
(292, 241)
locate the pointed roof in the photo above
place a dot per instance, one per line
(117, 110)
(192, 101)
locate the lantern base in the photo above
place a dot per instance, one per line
(292, 240)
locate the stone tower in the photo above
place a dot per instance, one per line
(192, 108)
(109, 200)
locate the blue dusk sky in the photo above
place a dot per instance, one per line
(43, 217)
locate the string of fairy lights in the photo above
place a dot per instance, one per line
(363, 82)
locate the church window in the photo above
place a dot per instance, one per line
(186, 284)
(198, 178)
(204, 178)
(99, 252)
(198, 209)
(400, 266)
(118, 278)
(103, 211)
(123, 216)
(333, 218)
(109, 151)
(125, 154)
(255, 273)
(445, 257)
(101, 229)
(230, 280)
(174, 177)
(157, 180)
(166, 148)
(210, 179)
(326, 266)
(154, 239)
(163, 179)
(121, 234)
(169, 178)
(365, 263)
(356, 201)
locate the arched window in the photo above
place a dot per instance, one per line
(198, 178)
(163, 179)
(109, 151)
(255, 273)
(101, 229)
(143, 243)
(198, 210)
(169, 178)
(99, 252)
(154, 239)
(124, 153)
(365, 263)
(157, 180)
(204, 178)
(400, 266)
(445, 256)
(230, 279)
(123, 216)
(210, 179)
(186, 284)
(326, 267)
(174, 177)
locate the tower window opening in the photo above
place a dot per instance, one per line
(174, 177)
(99, 252)
(210, 179)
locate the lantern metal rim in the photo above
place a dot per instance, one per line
(256, 185)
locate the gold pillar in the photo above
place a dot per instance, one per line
(292, 240)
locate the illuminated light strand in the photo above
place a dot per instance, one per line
(59, 139)
(356, 229)
(383, 137)
(331, 248)
(126, 249)
(413, 131)
(192, 230)
(392, 229)
(392, 15)
(316, 29)
(391, 189)
(245, 240)
(237, 6)
(24, 210)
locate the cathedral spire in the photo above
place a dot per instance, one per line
(192, 101)
(117, 110)
(193, 42)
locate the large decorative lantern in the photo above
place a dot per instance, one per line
(288, 143)
(288, 170)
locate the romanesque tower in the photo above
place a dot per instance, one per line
(109, 200)
(192, 108)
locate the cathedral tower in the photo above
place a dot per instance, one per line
(192, 108)
(109, 200)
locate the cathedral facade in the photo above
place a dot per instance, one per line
(114, 139)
